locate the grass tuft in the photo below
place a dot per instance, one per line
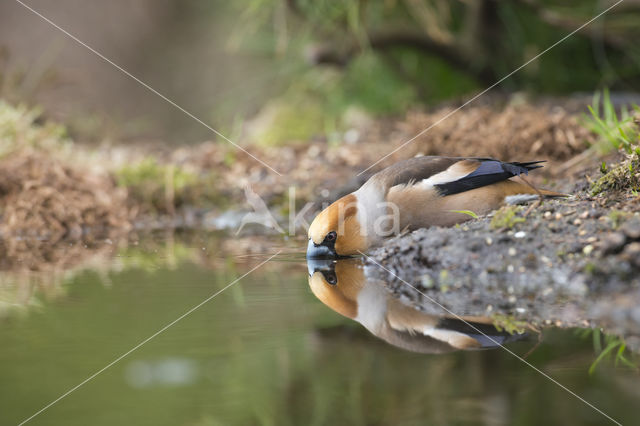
(506, 217)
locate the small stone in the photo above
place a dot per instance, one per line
(592, 239)
(558, 216)
(582, 232)
(577, 222)
(631, 229)
(613, 243)
(510, 269)
(547, 215)
(489, 241)
(584, 215)
(632, 254)
(426, 281)
(512, 251)
(587, 249)
(520, 234)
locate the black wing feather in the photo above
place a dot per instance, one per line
(488, 172)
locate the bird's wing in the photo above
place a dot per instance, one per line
(412, 170)
(424, 333)
(452, 175)
(485, 172)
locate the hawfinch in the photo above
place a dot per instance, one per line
(416, 193)
(343, 287)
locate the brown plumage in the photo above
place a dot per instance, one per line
(416, 193)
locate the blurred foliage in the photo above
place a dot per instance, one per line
(163, 187)
(387, 56)
(21, 127)
(614, 133)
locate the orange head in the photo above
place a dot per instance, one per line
(337, 284)
(336, 231)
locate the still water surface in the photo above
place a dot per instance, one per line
(265, 351)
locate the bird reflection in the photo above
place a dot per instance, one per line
(343, 287)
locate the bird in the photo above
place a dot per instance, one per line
(342, 285)
(417, 193)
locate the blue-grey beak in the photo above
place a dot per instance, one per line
(327, 267)
(320, 251)
(320, 265)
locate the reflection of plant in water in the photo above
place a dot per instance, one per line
(609, 347)
(509, 324)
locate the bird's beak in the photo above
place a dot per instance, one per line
(320, 251)
(320, 265)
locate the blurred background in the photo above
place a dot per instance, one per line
(274, 71)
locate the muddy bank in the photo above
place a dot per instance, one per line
(573, 262)
(117, 188)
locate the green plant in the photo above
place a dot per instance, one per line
(607, 346)
(467, 212)
(506, 217)
(614, 132)
(509, 324)
(19, 129)
(160, 186)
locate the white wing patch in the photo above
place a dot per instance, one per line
(452, 174)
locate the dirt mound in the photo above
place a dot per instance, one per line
(42, 199)
(514, 132)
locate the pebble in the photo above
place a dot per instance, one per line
(547, 215)
(587, 249)
(520, 234)
(584, 215)
(512, 251)
(613, 243)
(489, 241)
(577, 222)
(631, 229)
(632, 254)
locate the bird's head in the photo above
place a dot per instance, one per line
(336, 231)
(337, 284)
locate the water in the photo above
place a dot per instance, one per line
(265, 351)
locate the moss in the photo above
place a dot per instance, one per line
(506, 217)
(621, 178)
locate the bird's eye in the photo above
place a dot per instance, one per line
(331, 236)
(330, 277)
